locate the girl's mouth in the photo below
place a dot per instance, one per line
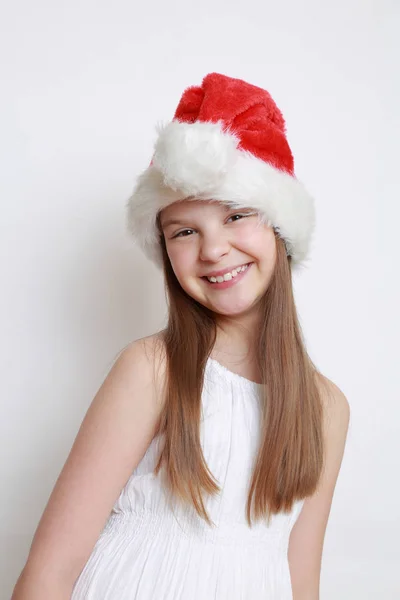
(222, 285)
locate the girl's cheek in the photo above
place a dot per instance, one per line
(181, 260)
(247, 235)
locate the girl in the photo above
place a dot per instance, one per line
(206, 464)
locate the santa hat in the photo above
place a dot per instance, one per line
(226, 142)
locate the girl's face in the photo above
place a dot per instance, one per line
(204, 238)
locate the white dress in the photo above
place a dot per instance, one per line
(147, 551)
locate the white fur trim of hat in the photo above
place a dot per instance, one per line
(233, 151)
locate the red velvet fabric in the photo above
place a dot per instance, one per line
(245, 110)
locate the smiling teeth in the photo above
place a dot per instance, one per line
(227, 276)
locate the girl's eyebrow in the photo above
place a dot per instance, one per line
(173, 222)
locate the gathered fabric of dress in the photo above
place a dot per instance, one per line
(150, 549)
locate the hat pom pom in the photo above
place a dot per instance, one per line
(195, 153)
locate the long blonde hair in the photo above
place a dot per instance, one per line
(290, 456)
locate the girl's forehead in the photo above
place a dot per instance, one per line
(190, 203)
(195, 206)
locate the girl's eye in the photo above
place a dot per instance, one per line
(181, 232)
(241, 216)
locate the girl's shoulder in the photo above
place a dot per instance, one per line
(336, 412)
(334, 401)
(149, 354)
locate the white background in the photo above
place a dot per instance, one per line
(83, 84)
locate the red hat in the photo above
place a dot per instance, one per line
(226, 142)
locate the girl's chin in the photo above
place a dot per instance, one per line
(226, 307)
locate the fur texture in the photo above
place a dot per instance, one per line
(201, 161)
(227, 142)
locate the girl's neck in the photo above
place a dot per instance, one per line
(237, 357)
(237, 363)
(235, 343)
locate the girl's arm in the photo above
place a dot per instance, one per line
(307, 536)
(30, 586)
(115, 433)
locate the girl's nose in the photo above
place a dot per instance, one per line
(213, 246)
